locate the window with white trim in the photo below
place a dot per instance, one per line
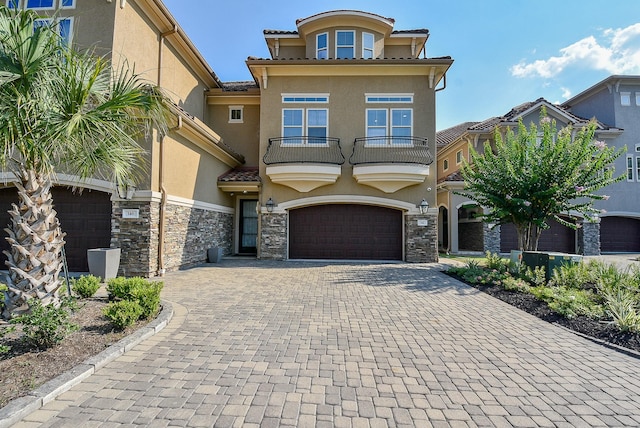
(638, 98)
(368, 41)
(459, 157)
(322, 46)
(311, 123)
(41, 4)
(305, 98)
(345, 44)
(445, 164)
(389, 126)
(630, 168)
(236, 114)
(64, 27)
(625, 98)
(637, 168)
(389, 98)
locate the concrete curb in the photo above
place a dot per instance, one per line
(17, 409)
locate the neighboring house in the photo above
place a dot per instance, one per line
(177, 211)
(460, 226)
(347, 136)
(616, 101)
(325, 155)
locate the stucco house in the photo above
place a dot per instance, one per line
(326, 154)
(460, 227)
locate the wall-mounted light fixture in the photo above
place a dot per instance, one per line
(126, 191)
(270, 204)
(424, 206)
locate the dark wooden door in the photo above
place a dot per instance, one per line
(345, 231)
(619, 234)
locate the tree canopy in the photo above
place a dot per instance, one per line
(539, 173)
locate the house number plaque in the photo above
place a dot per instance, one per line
(130, 213)
(423, 222)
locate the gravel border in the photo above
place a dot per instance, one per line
(17, 409)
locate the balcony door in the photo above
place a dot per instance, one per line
(248, 226)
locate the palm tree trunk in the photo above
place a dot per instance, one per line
(35, 259)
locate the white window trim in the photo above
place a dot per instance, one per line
(71, 20)
(73, 5)
(353, 46)
(233, 108)
(445, 164)
(459, 157)
(637, 170)
(22, 4)
(629, 168)
(637, 147)
(370, 96)
(638, 99)
(373, 47)
(305, 126)
(326, 48)
(389, 124)
(306, 98)
(626, 95)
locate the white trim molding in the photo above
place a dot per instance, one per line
(408, 208)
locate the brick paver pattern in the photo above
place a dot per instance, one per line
(268, 344)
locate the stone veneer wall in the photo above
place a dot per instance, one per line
(589, 238)
(136, 238)
(470, 236)
(189, 232)
(421, 242)
(273, 236)
(491, 238)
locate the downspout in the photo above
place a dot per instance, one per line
(163, 190)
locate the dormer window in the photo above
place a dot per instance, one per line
(345, 44)
(367, 45)
(322, 46)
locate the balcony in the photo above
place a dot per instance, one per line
(304, 163)
(390, 163)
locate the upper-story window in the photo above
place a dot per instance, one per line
(236, 114)
(389, 126)
(305, 98)
(41, 4)
(625, 98)
(638, 98)
(459, 157)
(445, 164)
(345, 44)
(630, 168)
(64, 26)
(367, 45)
(311, 123)
(322, 46)
(389, 98)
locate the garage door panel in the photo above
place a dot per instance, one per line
(558, 238)
(345, 231)
(84, 217)
(619, 234)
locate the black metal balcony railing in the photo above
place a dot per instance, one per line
(324, 150)
(390, 149)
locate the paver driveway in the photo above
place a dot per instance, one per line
(350, 345)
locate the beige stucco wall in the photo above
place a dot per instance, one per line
(347, 121)
(90, 32)
(242, 137)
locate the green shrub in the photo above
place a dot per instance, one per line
(4, 330)
(535, 276)
(45, 326)
(569, 302)
(148, 297)
(123, 313)
(496, 262)
(85, 286)
(622, 301)
(511, 283)
(121, 287)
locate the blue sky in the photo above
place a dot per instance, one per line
(505, 52)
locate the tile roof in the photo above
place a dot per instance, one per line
(241, 174)
(242, 86)
(346, 10)
(294, 33)
(449, 135)
(454, 176)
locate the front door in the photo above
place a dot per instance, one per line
(248, 226)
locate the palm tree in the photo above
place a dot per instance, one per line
(61, 111)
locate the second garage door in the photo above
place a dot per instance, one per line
(558, 238)
(619, 234)
(345, 231)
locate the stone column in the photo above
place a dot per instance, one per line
(421, 238)
(273, 236)
(137, 238)
(589, 238)
(491, 237)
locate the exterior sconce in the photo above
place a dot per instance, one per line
(126, 191)
(270, 204)
(424, 206)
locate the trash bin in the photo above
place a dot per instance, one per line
(104, 262)
(549, 261)
(214, 255)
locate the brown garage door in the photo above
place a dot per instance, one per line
(345, 231)
(557, 238)
(619, 234)
(85, 217)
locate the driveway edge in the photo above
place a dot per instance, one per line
(17, 409)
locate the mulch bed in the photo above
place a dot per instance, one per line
(595, 329)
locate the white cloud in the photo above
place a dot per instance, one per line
(618, 53)
(566, 93)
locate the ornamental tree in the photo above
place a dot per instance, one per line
(540, 173)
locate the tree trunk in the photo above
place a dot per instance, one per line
(528, 237)
(35, 258)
